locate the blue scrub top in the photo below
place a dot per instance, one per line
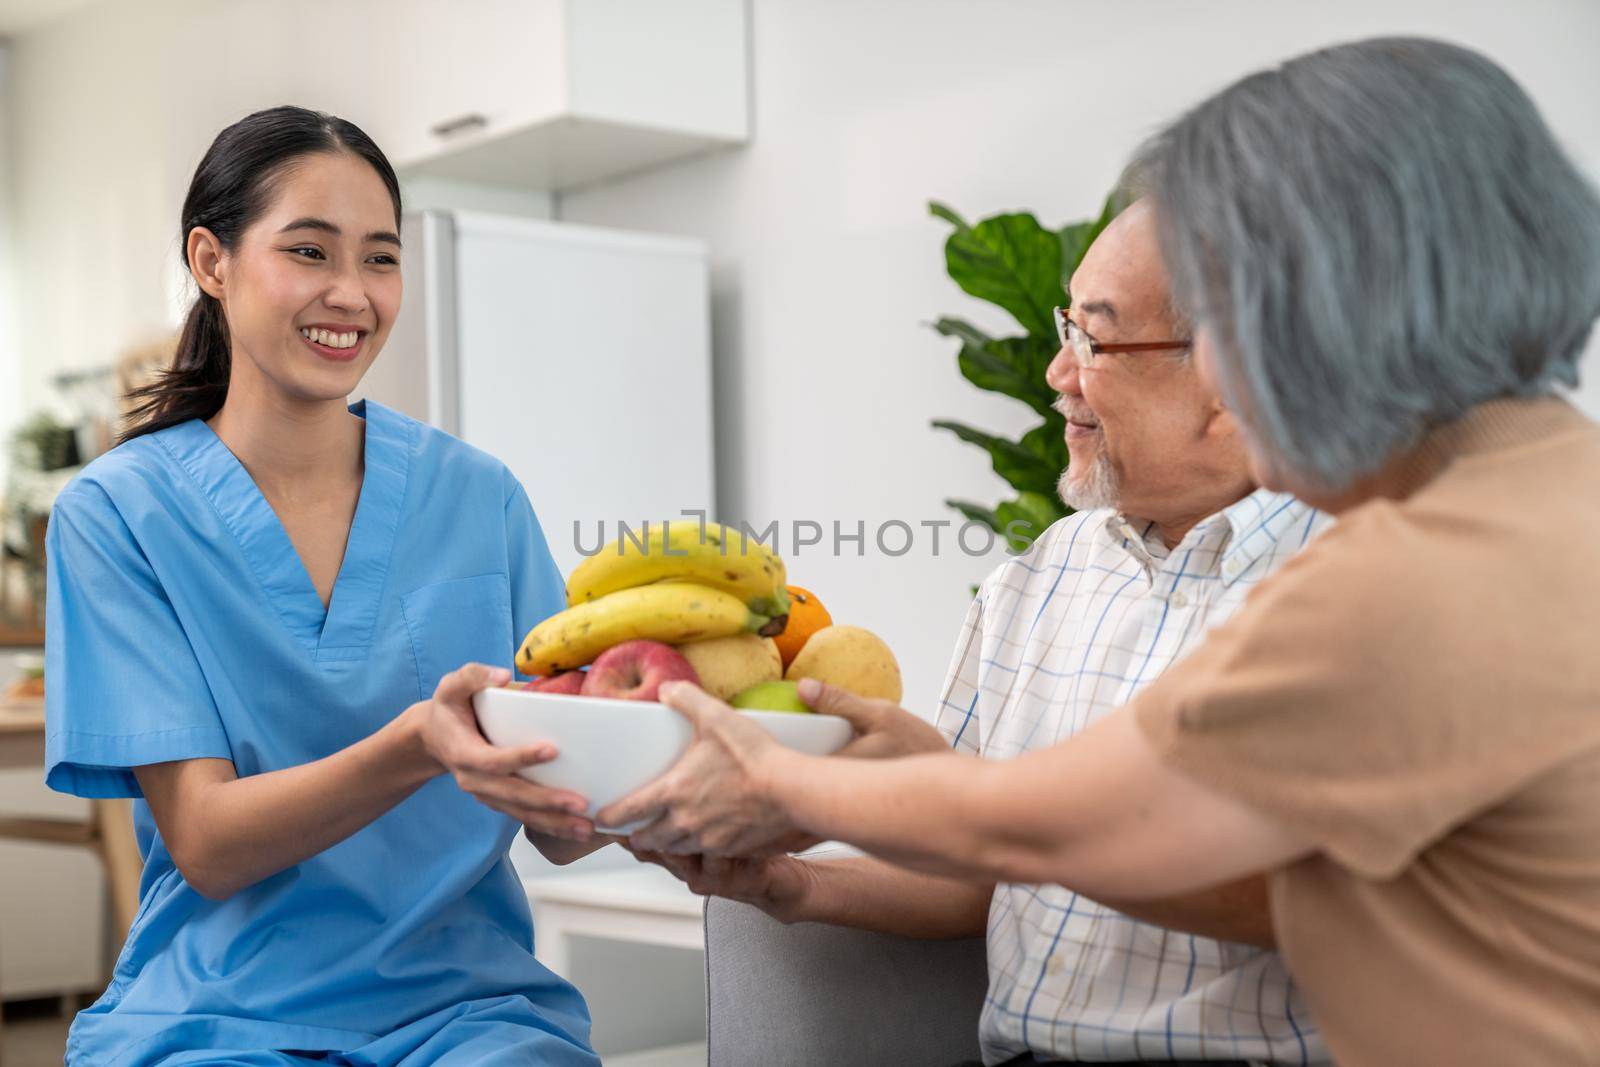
(182, 625)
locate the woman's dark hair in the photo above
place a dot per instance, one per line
(230, 189)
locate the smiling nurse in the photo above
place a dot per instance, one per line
(259, 608)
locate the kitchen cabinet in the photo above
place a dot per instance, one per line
(538, 95)
(52, 896)
(542, 94)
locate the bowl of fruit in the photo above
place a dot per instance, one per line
(691, 602)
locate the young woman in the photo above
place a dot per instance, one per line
(260, 605)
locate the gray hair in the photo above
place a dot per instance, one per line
(1377, 237)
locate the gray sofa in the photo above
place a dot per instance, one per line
(811, 994)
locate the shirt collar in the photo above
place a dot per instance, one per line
(1243, 533)
(1137, 537)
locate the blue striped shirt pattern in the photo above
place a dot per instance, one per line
(1056, 638)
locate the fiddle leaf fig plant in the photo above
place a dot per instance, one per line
(1019, 265)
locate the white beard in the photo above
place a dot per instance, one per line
(1095, 488)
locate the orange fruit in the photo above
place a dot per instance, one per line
(806, 617)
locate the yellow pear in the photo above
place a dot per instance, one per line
(730, 665)
(851, 658)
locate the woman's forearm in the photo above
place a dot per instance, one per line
(227, 833)
(921, 812)
(1056, 815)
(1098, 813)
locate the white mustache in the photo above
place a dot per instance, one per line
(1074, 412)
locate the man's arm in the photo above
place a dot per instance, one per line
(869, 894)
(1098, 813)
(859, 892)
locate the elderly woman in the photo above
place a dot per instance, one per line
(1391, 267)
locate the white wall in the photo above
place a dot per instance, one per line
(10, 356)
(92, 148)
(826, 264)
(114, 105)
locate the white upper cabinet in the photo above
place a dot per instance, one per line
(543, 94)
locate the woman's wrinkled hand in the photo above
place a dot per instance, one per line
(717, 798)
(447, 730)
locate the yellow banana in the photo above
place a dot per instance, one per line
(675, 550)
(670, 612)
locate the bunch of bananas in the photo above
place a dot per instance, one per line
(676, 582)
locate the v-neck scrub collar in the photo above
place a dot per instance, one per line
(342, 631)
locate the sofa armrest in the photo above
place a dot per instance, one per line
(812, 993)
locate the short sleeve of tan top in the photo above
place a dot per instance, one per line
(1417, 695)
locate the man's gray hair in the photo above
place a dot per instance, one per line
(1377, 237)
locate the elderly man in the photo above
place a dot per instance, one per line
(1170, 536)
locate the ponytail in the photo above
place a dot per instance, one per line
(230, 190)
(196, 383)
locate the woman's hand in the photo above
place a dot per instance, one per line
(778, 885)
(716, 799)
(447, 730)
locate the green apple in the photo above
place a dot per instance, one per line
(771, 696)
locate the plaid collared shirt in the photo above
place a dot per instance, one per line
(1057, 637)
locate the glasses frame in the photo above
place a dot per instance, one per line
(1085, 349)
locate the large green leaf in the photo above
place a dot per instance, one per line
(944, 211)
(1028, 358)
(1009, 260)
(963, 331)
(1023, 469)
(1048, 441)
(1013, 366)
(1022, 520)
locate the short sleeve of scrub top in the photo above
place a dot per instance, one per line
(134, 686)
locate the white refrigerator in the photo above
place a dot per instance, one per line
(580, 357)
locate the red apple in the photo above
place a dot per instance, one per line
(569, 682)
(634, 670)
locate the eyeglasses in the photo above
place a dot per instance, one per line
(1086, 350)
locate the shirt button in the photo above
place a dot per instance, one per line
(1054, 964)
(1178, 600)
(1231, 568)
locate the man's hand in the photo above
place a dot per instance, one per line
(448, 731)
(883, 730)
(778, 885)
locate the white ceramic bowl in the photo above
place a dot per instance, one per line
(609, 748)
